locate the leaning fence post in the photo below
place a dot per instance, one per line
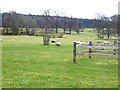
(90, 50)
(74, 52)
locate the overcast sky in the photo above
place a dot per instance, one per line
(74, 8)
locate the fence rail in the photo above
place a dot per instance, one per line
(98, 46)
(91, 47)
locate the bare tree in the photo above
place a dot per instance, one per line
(70, 24)
(29, 22)
(115, 24)
(5, 23)
(13, 22)
(99, 26)
(64, 21)
(56, 21)
(103, 26)
(46, 25)
(76, 25)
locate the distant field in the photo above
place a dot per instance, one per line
(27, 63)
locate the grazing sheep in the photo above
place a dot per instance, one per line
(57, 43)
(53, 41)
(106, 43)
(13, 39)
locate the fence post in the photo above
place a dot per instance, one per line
(90, 50)
(114, 48)
(74, 52)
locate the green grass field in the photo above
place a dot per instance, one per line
(27, 63)
(0, 64)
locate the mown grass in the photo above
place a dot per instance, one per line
(27, 63)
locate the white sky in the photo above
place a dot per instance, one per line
(75, 8)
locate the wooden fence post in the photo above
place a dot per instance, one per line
(74, 52)
(114, 49)
(90, 50)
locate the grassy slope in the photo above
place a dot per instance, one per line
(27, 63)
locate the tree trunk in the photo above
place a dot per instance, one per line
(56, 29)
(6, 31)
(27, 31)
(108, 36)
(46, 40)
(64, 29)
(70, 30)
(108, 33)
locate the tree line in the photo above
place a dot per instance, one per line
(14, 22)
(17, 24)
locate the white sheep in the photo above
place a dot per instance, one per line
(13, 39)
(57, 43)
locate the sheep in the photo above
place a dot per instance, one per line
(13, 39)
(57, 43)
(53, 41)
(106, 43)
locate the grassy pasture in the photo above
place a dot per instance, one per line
(26, 63)
(0, 63)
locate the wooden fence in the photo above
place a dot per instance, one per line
(95, 48)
